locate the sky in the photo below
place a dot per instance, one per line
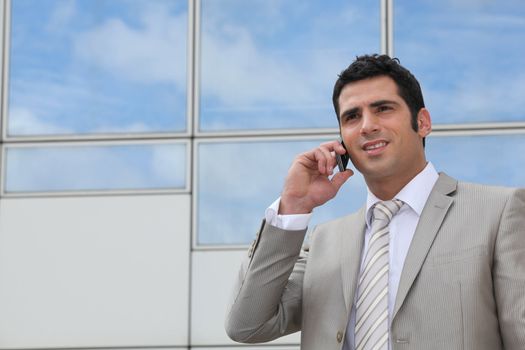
(96, 167)
(90, 67)
(105, 66)
(272, 64)
(81, 67)
(468, 56)
(109, 66)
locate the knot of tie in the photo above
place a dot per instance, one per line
(384, 211)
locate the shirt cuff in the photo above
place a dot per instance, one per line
(292, 222)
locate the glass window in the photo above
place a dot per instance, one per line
(105, 66)
(468, 56)
(273, 64)
(248, 176)
(88, 168)
(494, 159)
(237, 181)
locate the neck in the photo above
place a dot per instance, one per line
(386, 188)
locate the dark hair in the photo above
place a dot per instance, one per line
(369, 66)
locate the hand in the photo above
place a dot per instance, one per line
(308, 184)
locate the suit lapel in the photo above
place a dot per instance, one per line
(352, 232)
(430, 221)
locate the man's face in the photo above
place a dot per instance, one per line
(377, 131)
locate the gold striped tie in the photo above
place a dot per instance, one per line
(371, 327)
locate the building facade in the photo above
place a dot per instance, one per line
(142, 140)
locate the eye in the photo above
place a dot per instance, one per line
(350, 116)
(384, 108)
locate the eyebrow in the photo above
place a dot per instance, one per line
(383, 102)
(350, 111)
(373, 104)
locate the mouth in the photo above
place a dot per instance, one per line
(374, 147)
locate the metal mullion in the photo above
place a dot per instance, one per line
(477, 132)
(3, 172)
(95, 137)
(486, 128)
(266, 132)
(190, 66)
(5, 30)
(196, 92)
(4, 37)
(387, 27)
(191, 103)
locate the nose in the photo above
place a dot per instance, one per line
(369, 123)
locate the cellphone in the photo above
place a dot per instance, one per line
(342, 159)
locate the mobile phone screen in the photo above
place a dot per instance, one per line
(342, 159)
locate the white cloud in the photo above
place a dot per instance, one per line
(53, 92)
(46, 103)
(80, 168)
(238, 72)
(490, 97)
(132, 127)
(62, 15)
(153, 53)
(242, 66)
(23, 121)
(169, 163)
(63, 94)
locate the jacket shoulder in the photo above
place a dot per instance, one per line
(476, 190)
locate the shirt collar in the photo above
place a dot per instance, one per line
(414, 194)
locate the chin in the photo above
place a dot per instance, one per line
(376, 172)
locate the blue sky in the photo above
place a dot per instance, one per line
(468, 56)
(105, 66)
(272, 64)
(92, 167)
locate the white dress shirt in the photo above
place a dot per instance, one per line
(402, 227)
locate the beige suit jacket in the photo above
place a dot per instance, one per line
(462, 285)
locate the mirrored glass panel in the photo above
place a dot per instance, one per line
(272, 64)
(95, 168)
(237, 181)
(468, 56)
(494, 160)
(89, 67)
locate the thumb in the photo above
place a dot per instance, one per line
(340, 178)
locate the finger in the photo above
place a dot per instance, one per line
(340, 178)
(308, 160)
(338, 148)
(332, 145)
(335, 146)
(321, 159)
(329, 159)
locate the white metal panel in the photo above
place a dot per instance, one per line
(256, 347)
(213, 273)
(94, 271)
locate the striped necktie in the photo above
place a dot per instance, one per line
(371, 327)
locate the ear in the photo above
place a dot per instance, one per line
(424, 122)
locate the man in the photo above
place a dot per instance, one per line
(427, 263)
